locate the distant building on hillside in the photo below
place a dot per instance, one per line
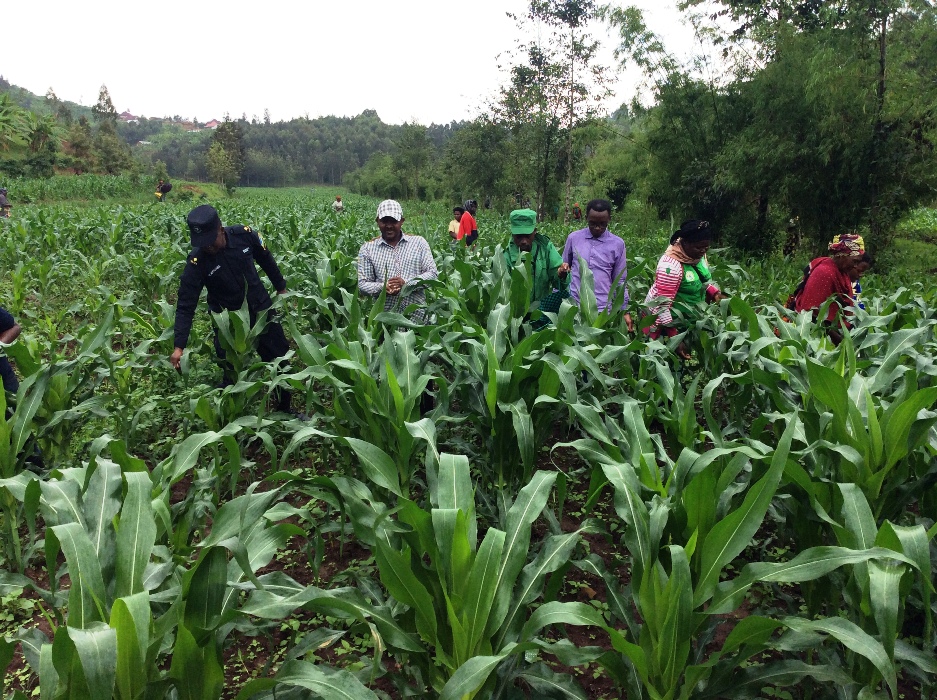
(126, 116)
(213, 124)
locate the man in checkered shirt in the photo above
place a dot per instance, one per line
(395, 262)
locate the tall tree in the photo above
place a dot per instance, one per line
(585, 82)
(229, 140)
(413, 153)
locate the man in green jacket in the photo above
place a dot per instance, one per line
(550, 274)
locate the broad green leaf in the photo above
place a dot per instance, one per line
(130, 620)
(730, 536)
(521, 515)
(377, 465)
(480, 587)
(401, 583)
(100, 503)
(884, 581)
(333, 685)
(96, 647)
(86, 597)
(560, 613)
(471, 675)
(855, 639)
(809, 565)
(136, 535)
(205, 592)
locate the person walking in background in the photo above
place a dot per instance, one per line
(603, 253)
(396, 262)
(457, 213)
(223, 261)
(682, 283)
(5, 205)
(337, 205)
(577, 212)
(468, 227)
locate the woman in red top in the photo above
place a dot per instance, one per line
(832, 277)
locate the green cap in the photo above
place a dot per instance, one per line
(523, 222)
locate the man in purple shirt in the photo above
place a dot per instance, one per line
(603, 253)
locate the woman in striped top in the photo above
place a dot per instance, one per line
(682, 282)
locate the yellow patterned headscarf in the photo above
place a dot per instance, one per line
(847, 245)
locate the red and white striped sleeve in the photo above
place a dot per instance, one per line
(667, 280)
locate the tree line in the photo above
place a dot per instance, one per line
(793, 119)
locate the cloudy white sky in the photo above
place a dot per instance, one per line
(428, 60)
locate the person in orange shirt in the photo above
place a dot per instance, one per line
(468, 227)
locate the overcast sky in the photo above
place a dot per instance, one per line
(426, 60)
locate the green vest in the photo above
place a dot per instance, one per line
(692, 291)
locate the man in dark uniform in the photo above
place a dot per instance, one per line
(222, 260)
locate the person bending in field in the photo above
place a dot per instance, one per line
(396, 262)
(603, 253)
(223, 261)
(682, 283)
(337, 205)
(9, 331)
(468, 227)
(550, 275)
(457, 213)
(832, 277)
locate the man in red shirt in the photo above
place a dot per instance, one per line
(468, 227)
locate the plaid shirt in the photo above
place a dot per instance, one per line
(410, 259)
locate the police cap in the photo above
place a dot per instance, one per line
(204, 223)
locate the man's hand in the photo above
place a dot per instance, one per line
(629, 322)
(683, 352)
(563, 270)
(282, 291)
(394, 285)
(719, 296)
(176, 358)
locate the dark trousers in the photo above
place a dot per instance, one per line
(271, 344)
(10, 382)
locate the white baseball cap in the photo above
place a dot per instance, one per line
(391, 208)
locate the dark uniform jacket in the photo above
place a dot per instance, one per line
(226, 274)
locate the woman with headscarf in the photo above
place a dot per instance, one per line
(832, 277)
(682, 282)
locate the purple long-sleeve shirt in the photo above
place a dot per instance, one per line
(606, 258)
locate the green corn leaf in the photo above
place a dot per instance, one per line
(554, 554)
(523, 430)
(377, 465)
(480, 587)
(809, 565)
(130, 620)
(884, 580)
(136, 535)
(333, 685)
(858, 516)
(733, 533)
(401, 583)
(471, 675)
(196, 670)
(526, 508)
(560, 613)
(205, 592)
(100, 503)
(96, 649)
(855, 639)
(86, 597)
